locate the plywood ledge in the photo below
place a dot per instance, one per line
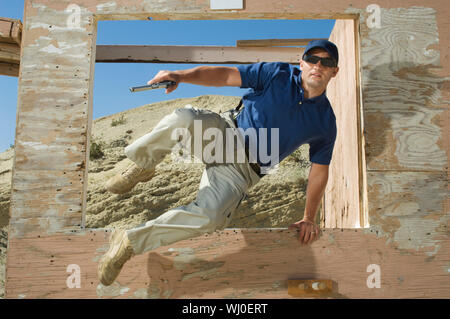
(234, 263)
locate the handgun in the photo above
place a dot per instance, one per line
(159, 85)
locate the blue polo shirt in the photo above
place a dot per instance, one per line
(276, 100)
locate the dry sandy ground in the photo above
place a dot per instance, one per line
(276, 201)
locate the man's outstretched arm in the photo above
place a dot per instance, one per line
(201, 75)
(317, 181)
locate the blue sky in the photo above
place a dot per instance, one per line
(112, 80)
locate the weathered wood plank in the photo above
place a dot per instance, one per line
(228, 264)
(50, 225)
(16, 32)
(10, 30)
(402, 93)
(344, 189)
(63, 158)
(9, 53)
(408, 47)
(53, 198)
(53, 125)
(5, 29)
(274, 42)
(9, 69)
(139, 13)
(195, 54)
(408, 207)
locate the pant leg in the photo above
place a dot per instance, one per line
(221, 190)
(151, 148)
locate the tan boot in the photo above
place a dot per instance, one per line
(125, 181)
(119, 252)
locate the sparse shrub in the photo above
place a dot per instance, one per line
(96, 150)
(121, 120)
(119, 143)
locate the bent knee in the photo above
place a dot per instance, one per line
(185, 116)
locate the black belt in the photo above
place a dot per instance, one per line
(255, 166)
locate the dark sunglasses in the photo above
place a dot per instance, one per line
(314, 59)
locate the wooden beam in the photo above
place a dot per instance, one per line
(9, 53)
(233, 263)
(16, 32)
(344, 190)
(195, 54)
(10, 30)
(273, 42)
(9, 69)
(231, 15)
(5, 29)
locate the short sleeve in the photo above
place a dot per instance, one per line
(320, 152)
(258, 75)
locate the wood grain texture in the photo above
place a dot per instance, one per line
(9, 69)
(9, 53)
(274, 42)
(52, 128)
(342, 196)
(409, 207)
(5, 29)
(406, 91)
(10, 31)
(402, 96)
(228, 264)
(48, 200)
(195, 54)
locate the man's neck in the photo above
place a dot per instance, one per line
(311, 93)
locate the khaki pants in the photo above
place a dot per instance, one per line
(222, 188)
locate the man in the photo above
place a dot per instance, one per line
(281, 97)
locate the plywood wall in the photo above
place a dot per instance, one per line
(405, 116)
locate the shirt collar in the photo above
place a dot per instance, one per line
(316, 99)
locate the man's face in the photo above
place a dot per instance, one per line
(317, 75)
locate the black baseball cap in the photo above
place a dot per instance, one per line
(328, 46)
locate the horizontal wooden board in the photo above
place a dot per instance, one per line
(55, 222)
(9, 53)
(274, 42)
(140, 13)
(10, 31)
(194, 54)
(228, 264)
(9, 69)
